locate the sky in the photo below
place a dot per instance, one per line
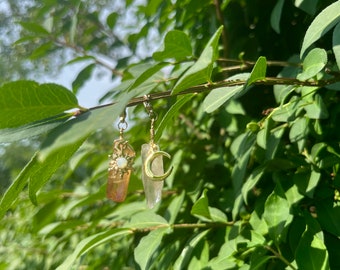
(89, 95)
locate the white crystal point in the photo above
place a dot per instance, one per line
(121, 162)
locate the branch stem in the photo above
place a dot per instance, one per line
(280, 257)
(225, 83)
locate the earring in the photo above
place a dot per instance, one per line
(153, 174)
(120, 165)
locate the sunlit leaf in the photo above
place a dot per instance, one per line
(313, 63)
(336, 44)
(91, 242)
(41, 171)
(146, 219)
(286, 112)
(322, 23)
(259, 71)
(201, 207)
(177, 45)
(308, 6)
(147, 246)
(251, 182)
(23, 102)
(201, 71)
(311, 253)
(171, 114)
(185, 256)
(32, 129)
(217, 97)
(276, 214)
(174, 208)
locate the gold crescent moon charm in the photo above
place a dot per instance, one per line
(148, 163)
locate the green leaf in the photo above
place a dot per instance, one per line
(259, 70)
(286, 112)
(16, 187)
(200, 208)
(82, 77)
(217, 97)
(147, 79)
(200, 72)
(32, 129)
(177, 45)
(336, 44)
(41, 51)
(217, 215)
(317, 109)
(275, 16)
(269, 137)
(23, 102)
(146, 219)
(298, 131)
(276, 213)
(91, 242)
(313, 63)
(185, 256)
(41, 171)
(307, 182)
(81, 127)
(147, 247)
(328, 216)
(60, 226)
(311, 252)
(174, 208)
(80, 59)
(112, 19)
(171, 114)
(251, 181)
(259, 259)
(34, 28)
(36, 173)
(322, 23)
(308, 6)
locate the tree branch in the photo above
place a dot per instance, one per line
(225, 83)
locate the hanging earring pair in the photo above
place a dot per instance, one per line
(120, 165)
(153, 174)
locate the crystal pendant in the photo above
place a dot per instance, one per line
(120, 168)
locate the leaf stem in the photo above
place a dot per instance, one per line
(185, 226)
(280, 257)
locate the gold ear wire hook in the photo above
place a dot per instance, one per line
(122, 124)
(148, 164)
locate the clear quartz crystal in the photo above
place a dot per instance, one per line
(152, 189)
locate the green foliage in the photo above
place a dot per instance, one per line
(250, 126)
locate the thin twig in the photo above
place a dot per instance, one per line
(280, 257)
(185, 226)
(225, 83)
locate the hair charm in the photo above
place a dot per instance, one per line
(120, 165)
(153, 174)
